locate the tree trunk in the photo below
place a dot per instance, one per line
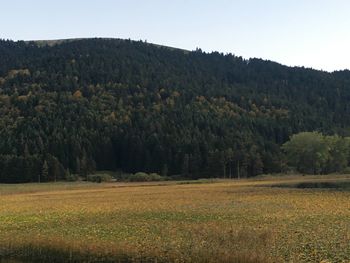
(230, 170)
(238, 171)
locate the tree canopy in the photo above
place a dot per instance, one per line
(314, 153)
(109, 104)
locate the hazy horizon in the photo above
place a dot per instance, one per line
(312, 34)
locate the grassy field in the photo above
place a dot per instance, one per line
(209, 221)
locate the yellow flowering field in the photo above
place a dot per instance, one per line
(205, 221)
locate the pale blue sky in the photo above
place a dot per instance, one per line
(312, 33)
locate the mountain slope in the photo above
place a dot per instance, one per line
(118, 104)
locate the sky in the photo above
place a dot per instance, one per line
(310, 33)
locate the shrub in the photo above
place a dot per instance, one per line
(346, 170)
(72, 177)
(156, 177)
(144, 177)
(139, 177)
(99, 178)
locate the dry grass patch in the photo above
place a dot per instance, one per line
(227, 221)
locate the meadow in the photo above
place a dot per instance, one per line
(268, 219)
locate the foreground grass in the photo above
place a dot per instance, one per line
(225, 221)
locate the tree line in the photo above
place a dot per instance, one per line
(76, 107)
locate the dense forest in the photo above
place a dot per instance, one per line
(75, 107)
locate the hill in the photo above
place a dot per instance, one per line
(75, 106)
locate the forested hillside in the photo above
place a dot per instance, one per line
(103, 104)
